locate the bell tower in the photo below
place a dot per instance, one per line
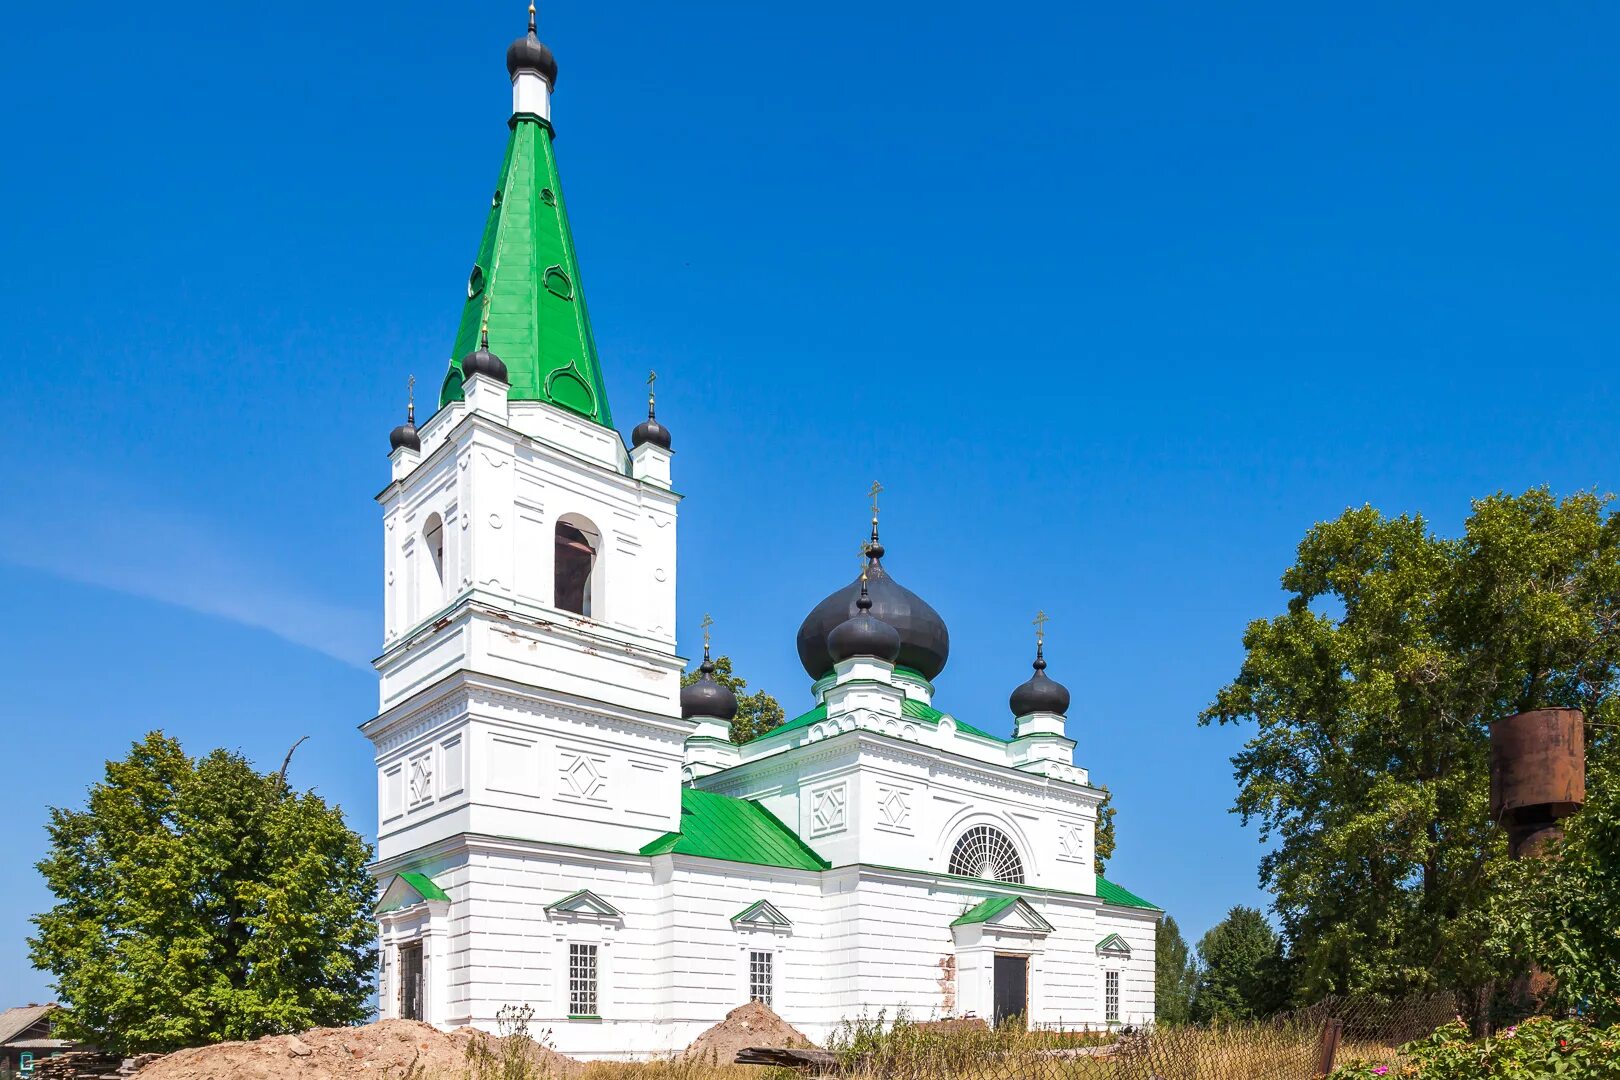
(529, 681)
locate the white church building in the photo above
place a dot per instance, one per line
(562, 825)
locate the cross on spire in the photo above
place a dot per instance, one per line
(410, 401)
(876, 490)
(708, 621)
(1040, 621)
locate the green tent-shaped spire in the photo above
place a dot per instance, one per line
(526, 287)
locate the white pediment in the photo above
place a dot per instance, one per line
(762, 914)
(1114, 945)
(584, 904)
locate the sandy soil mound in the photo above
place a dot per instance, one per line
(376, 1051)
(747, 1025)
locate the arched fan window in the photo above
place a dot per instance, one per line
(985, 852)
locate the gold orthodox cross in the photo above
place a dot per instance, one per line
(708, 621)
(1041, 619)
(410, 401)
(873, 494)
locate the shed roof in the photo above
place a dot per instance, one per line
(721, 827)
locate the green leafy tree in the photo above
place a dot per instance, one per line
(1240, 965)
(1175, 974)
(199, 900)
(1372, 696)
(757, 713)
(1105, 830)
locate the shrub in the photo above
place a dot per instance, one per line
(1539, 1047)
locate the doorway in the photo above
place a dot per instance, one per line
(410, 981)
(1011, 996)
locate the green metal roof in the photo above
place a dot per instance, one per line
(720, 827)
(526, 286)
(910, 707)
(424, 885)
(985, 910)
(1109, 893)
(414, 881)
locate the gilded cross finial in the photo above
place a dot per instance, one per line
(708, 621)
(1041, 619)
(876, 490)
(410, 401)
(652, 377)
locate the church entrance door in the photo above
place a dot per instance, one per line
(1011, 988)
(410, 981)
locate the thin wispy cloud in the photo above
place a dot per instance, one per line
(176, 559)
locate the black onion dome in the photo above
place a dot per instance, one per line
(1040, 694)
(650, 431)
(528, 53)
(863, 635)
(707, 697)
(483, 362)
(404, 435)
(925, 643)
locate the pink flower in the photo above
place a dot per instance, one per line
(1510, 1031)
(1381, 1070)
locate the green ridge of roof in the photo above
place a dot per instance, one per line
(985, 910)
(526, 282)
(815, 715)
(423, 885)
(721, 827)
(910, 707)
(918, 711)
(1109, 893)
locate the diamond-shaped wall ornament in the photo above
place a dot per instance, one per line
(1073, 842)
(827, 810)
(583, 777)
(421, 779)
(895, 810)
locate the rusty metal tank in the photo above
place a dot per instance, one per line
(1538, 775)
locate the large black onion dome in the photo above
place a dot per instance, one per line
(863, 635)
(483, 362)
(925, 643)
(1040, 694)
(527, 53)
(404, 435)
(650, 431)
(707, 697)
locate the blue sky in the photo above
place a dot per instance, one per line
(1115, 303)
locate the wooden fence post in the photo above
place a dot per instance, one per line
(1332, 1032)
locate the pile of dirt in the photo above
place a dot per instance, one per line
(747, 1025)
(380, 1051)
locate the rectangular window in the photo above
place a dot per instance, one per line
(1111, 996)
(759, 978)
(581, 980)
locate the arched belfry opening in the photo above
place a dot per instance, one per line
(577, 577)
(433, 568)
